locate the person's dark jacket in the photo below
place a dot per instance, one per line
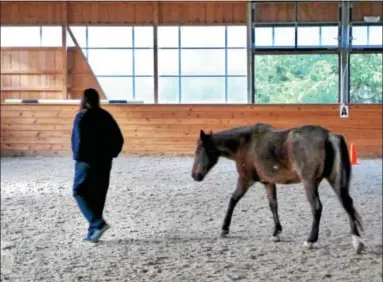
(96, 136)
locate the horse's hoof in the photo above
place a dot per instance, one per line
(357, 243)
(224, 233)
(275, 238)
(308, 245)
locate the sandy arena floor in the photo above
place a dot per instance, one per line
(165, 227)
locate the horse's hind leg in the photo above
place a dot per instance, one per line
(354, 217)
(312, 195)
(271, 190)
(242, 187)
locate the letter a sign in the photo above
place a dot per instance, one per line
(343, 111)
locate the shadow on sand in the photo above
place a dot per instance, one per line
(182, 240)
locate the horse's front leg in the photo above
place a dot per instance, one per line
(242, 186)
(312, 194)
(271, 190)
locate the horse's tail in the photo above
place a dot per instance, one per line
(340, 176)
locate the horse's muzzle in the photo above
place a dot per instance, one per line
(197, 176)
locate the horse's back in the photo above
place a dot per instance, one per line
(288, 155)
(270, 155)
(308, 149)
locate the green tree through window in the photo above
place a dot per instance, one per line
(366, 83)
(296, 79)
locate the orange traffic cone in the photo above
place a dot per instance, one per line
(353, 158)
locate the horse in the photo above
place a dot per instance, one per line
(304, 154)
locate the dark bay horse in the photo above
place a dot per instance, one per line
(306, 154)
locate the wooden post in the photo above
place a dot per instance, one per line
(65, 51)
(155, 50)
(250, 54)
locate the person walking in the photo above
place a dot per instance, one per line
(96, 140)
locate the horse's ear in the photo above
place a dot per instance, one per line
(211, 133)
(204, 137)
(202, 134)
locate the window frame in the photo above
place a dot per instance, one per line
(179, 48)
(252, 50)
(361, 52)
(40, 35)
(296, 48)
(294, 53)
(365, 48)
(133, 48)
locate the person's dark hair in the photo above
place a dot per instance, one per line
(90, 99)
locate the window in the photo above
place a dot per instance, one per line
(168, 90)
(329, 36)
(359, 36)
(192, 60)
(51, 36)
(236, 36)
(144, 89)
(366, 81)
(375, 36)
(79, 32)
(168, 62)
(121, 57)
(275, 36)
(296, 79)
(367, 36)
(237, 89)
(31, 36)
(143, 62)
(168, 36)
(109, 37)
(203, 90)
(20, 36)
(237, 62)
(110, 62)
(307, 37)
(117, 88)
(263, 36)
(143, 37)
(284, 36)
(203, 62)
(318, 36)
(202, 36)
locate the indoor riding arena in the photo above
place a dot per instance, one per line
(176, 76)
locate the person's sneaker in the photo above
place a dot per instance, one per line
(96, 235)
(87, 237)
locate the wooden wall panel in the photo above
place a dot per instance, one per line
(202, 12)
(80, 75)
(111, 12)
(37, 73)
(318, 12)
(32, 73)
(284, 12)
(362, 9)
(174, 129)
(125, 12)
(274, 12)
(32, 13)
(172, 12)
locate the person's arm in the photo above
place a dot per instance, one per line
(117, 137)
(76, 137)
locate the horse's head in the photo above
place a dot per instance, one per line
(206, 156)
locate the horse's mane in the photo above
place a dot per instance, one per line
(242, 130)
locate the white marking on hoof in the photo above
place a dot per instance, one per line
(224, 234)
(308, 245)
(275, 238)
(357, 243)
